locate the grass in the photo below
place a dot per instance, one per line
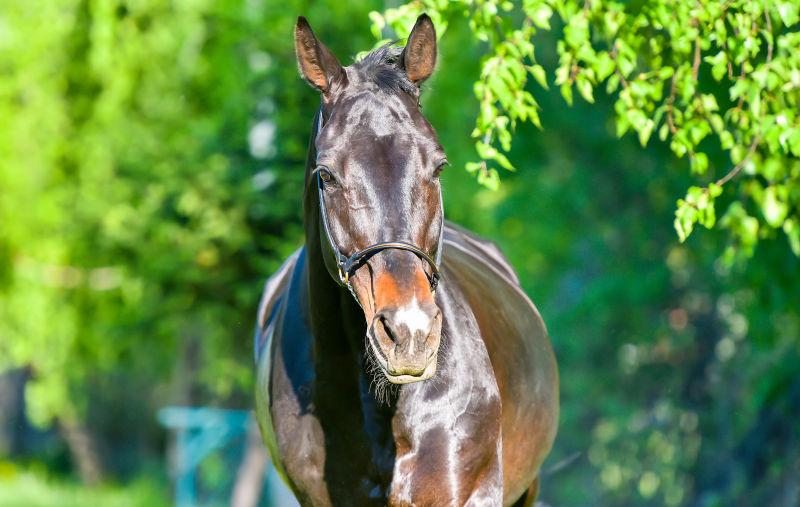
(26, 488)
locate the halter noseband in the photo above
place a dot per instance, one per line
(346, 266)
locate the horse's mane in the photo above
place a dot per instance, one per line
(384, 67)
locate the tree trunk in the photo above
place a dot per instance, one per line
(251, 474)
(83, 448)
(12, 410)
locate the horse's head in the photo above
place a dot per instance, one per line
(376, 170)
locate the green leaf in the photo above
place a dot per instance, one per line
(793, 140)
(709, 102)
(645, 131)
(604, 65)
(472, 167)
(566, 92)
(742, 226)
(773, 206)
(663, 132)
(699, 163)
(485, 151)
(726, 140)
(612, 84)
(685, 218)
(788, 12)
(738, 153)
(719, 65)
(489, 178)
(666, 73)
(584, 87)
(539, 12)
(792, 231)
(696, 207)
(538, 73)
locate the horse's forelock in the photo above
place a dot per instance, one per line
(384, 67)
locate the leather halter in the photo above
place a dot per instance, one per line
(347, 265)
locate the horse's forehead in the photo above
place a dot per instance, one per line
(382, 112)
(376, 129)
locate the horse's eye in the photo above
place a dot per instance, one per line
(440, 167)
(325, 175)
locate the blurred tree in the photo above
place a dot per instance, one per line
(144, 196)
(690, 71)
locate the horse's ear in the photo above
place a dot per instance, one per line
(317, 63)
(419, 55)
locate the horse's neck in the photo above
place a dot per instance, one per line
(336, 320)
(332, 308)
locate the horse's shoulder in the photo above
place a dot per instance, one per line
(487, 279)
(488, 285)
(518, 345)
(271, 297)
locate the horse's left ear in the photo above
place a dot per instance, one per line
(419, 55)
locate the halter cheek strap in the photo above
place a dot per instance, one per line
(347, 265)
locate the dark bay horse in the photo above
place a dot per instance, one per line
(399, 361)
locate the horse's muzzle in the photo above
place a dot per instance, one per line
(405, 341)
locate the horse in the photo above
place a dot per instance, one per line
(399, 362)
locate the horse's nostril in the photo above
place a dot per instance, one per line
(387, 329)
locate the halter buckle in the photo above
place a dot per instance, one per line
(344, 276)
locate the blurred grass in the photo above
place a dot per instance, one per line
(28, 488)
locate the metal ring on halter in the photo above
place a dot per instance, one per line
(346, 266)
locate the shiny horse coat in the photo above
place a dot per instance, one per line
(394, 394)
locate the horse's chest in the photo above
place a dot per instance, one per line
(330, 444)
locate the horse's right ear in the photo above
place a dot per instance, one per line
(317, 63)
(419, 55)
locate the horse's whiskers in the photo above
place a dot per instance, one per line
(383, 390)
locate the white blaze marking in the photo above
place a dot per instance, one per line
(413, 318)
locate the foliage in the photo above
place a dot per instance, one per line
(24, 488)
(143, 196)
(123, 234)
(135, 212)
(704, 76)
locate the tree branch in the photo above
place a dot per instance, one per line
(769, 29)
(738, 167)
(670, 105)
(696, 62)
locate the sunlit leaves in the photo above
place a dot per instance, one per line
(699, 75)
(399, 20)
(792, 230)
(129, 207)
(788, 11)
(744, 231)
(696, 208)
